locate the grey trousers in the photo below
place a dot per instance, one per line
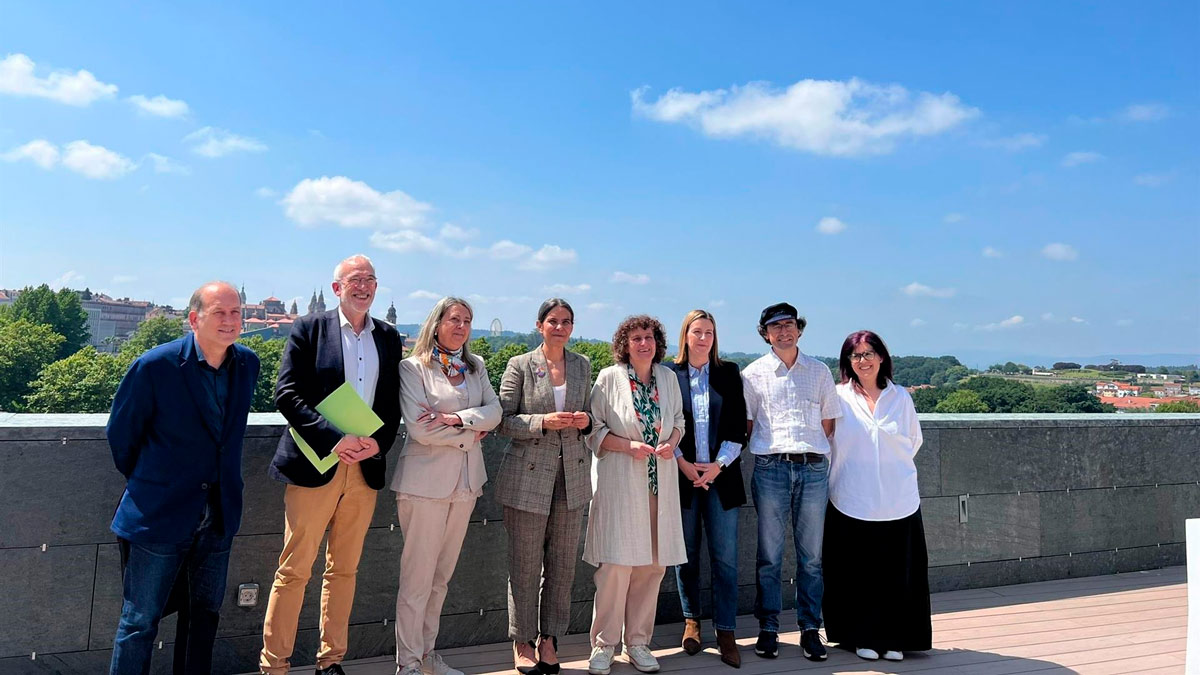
(542, 552)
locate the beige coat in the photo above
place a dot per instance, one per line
(618, 529)
(431, 462)
(526, 477)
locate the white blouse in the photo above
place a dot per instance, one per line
(872, 475)
(560, 397)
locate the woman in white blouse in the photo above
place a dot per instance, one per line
(448, 406)
(875, 561)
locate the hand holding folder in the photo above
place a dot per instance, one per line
(347, 411)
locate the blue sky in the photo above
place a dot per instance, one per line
(956, 176)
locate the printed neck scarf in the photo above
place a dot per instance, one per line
(451, 362)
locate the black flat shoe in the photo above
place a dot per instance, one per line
(549, 668)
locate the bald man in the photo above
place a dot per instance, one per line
(176, 433)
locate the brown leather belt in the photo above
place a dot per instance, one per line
(800, 457)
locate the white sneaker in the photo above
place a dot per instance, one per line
(601, 660)
(868, 654)
(893, 655)
(434, 665)
(641, 658)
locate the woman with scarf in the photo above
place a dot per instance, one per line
(448, 406)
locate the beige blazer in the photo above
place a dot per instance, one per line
(431, 462)
(526, 477)
(618, 528)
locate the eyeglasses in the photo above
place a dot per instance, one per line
(784, 325)
(863, 356)
(361, 282)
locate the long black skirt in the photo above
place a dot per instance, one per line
(876, 583)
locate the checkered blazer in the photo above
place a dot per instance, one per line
(526, 477)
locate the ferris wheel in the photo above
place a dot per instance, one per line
(496, 328)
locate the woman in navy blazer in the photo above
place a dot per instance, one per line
(711, 487)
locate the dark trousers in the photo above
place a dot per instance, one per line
(200, 564)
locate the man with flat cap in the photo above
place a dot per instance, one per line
(791, 408)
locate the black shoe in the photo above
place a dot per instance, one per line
(335, 669)
(767, 645)
(548, 668)
(810, 642)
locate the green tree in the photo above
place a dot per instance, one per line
(499, 360)
(480, 347)
(25, 348)
(149, 334)
(84, 382)
(1000, 395)
(962, 401)
(599, 353)
(62, 311)
(269, 352)
(1178, 407)
(1069, 398)
(925, 400)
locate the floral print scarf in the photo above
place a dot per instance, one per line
(649, 415)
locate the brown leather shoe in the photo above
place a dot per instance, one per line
(691, 636)
(729, 649)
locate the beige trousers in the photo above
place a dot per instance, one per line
(433, 536)
(627, 597)
(344, 505)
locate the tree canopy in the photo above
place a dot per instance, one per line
(25, 348)
(62, 311)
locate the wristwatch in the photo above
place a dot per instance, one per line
(720, 463)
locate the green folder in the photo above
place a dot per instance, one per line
(346, 410)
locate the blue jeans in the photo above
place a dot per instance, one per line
(801, 491)
(150, 574)
(721, 529)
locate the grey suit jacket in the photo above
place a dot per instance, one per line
(526, 477)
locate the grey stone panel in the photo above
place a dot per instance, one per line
(998, 527)
(929, 463)
(57, 494)
(1170, 452)
(1101, 519)
(107, 599)
(1009, 459)
(46, 599)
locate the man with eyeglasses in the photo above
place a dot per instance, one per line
(791, 408)
(324, 351)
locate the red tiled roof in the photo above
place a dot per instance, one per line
(1131, 402)
(270, 299)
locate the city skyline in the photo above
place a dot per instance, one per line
(972, 178)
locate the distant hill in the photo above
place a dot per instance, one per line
(981, 359)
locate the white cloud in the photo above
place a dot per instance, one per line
(214, 142)
(1145, 112)
(627, 278)
(549, 256)
(406, 241)
(123, 279)
(1076, 319)
(159, 106)
(352, 203)
(40, 152)
(917, 323)
(95, 161)
(952, 218)
(1060, 252)
(830, 225)
(1010, 322)
(457, 233)
(1072, 159)
(921, 290)
(266, 193)
(79, 88)
(1124, 322)
(508, 250)
(1017, 142)
(990, 252)
(824, 117)
(166, 164)
(1047, 316)
(69, 277)
(717, 303)
(567, 289)
(424, 295)
(1153, 179)
(499, 299)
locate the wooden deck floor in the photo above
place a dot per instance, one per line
(1126, 623)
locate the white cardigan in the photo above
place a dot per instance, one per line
(618, 530)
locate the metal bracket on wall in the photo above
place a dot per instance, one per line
(962, 508)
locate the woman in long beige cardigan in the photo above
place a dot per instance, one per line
(634, 528)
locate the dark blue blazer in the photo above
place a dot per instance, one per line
(726, 422)
(169, 454)
(309, 370)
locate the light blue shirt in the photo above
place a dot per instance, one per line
(729, 451)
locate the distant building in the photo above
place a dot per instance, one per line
(112, 320)
(391, 314)
(268, 319)
(1131, 403)
(1117, 389)
(5, 296)
(317, 304)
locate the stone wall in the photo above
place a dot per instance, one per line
(1046, 496)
